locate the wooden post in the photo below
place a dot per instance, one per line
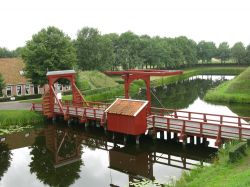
(240, 129)
(204, 118)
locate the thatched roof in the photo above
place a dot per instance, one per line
(10, 68)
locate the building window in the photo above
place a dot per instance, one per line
(27, 89)
(8, 91)
(19, 90)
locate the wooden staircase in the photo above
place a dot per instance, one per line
(78, 99)
(47, 105)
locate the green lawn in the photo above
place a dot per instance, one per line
(236, 90)
(221, 173)
(17, 120)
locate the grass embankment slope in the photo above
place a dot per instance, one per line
(221, 173)
(197, 71)
(88, 80)
(97, 86)
(17, 120)
(236, 90)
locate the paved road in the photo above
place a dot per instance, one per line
(15, 105)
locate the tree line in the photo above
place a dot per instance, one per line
(52, 49)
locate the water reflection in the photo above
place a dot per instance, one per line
(182, 94)
(5, 158)
(56, 155)
(188, 94)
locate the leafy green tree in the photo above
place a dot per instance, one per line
(50, 49)
(93, 50)
(206, 51)
(247, 55)
(188, 48)
(5, 53)
(2, 84)
(128, 50)
(238, 52)
(114, 38)
(223, 52)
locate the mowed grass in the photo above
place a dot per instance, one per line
(17, 120)
(233, 91)
(221, 173)
(87, 80)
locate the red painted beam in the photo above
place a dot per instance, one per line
(145, 72)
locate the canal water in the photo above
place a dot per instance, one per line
(58, 155)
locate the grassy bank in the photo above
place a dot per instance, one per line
(220, 173)
(236, 90)
(105, 88)
(17, 120)
(89, 80)
(197, 71)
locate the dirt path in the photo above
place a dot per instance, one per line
(15, 105)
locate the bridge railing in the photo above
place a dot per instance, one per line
(37, 107)
(202, 117)
(198, 128)
(90, 104)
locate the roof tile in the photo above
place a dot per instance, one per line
(126, 107)
(10, 70)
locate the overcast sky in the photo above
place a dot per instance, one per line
(210, 20)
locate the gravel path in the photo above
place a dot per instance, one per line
(15, 105)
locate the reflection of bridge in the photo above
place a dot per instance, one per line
(132, 159)
(65, 144)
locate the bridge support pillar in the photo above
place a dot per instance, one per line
(162, 135)
(198, 140)
(184, 143)
(205, 142)
(168, 135)
(175, 136)
(137, 140)
(125, 139)
(191, 139)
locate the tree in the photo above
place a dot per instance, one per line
(188, 48)
(2, 84)
(50, 49)
(93, 50)
(238, 52)
(247, 55)
(206, 51)
(5, 53)
(128, 50)
(223, 52)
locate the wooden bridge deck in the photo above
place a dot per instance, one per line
(183, 122)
